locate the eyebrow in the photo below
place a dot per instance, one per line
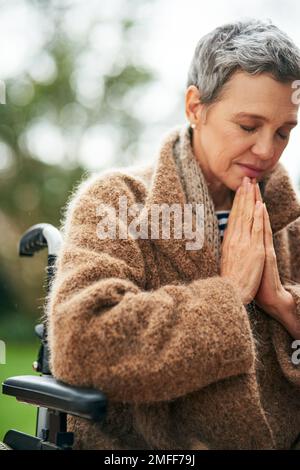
(262, 118)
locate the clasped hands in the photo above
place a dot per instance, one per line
(248, 256)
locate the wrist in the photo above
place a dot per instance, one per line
(284, 311)
(278, 305)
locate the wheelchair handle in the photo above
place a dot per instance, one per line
(38, 237)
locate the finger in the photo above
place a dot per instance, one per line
(268, 234)
(248, 210)
(236, 199)
(235, 209)
(244, 216)
(239, 215)
(258, 225)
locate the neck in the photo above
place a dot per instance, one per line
(221, 196)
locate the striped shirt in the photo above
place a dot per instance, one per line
(222, 217)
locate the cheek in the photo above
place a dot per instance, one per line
(225, 168)
(240, 146)
(232, 144)
(278, 152)
(231, 152)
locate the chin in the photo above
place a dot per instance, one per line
(233, 184)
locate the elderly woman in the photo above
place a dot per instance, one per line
(193, 343)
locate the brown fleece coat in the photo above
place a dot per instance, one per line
(183, 363)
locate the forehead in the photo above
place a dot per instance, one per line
(259, 94)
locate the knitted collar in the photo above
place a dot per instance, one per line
(196, 188)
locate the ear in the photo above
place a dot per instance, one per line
(193, 106)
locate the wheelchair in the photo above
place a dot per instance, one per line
(54, 399)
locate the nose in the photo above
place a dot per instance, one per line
(264, 147)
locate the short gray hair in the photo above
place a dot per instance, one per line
(250, 45)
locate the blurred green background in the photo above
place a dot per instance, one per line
(45, 128)
(67, 99)
(15, 415)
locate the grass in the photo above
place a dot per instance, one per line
(15, 415)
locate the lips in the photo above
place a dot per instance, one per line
(250, 171)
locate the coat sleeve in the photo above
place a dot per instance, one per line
(108, 332)
(282, 340)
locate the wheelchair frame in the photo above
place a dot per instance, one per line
(54, 399)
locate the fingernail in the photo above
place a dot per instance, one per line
(245, 180)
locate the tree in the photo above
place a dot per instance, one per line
(33, 190)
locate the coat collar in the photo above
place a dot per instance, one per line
(280, 197)
(165, 187)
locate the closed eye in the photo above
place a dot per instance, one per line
(252, 129)
(247, 129)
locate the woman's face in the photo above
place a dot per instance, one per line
(249, 125)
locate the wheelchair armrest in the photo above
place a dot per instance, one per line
(46, 391)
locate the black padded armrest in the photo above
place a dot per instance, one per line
(47, 392)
